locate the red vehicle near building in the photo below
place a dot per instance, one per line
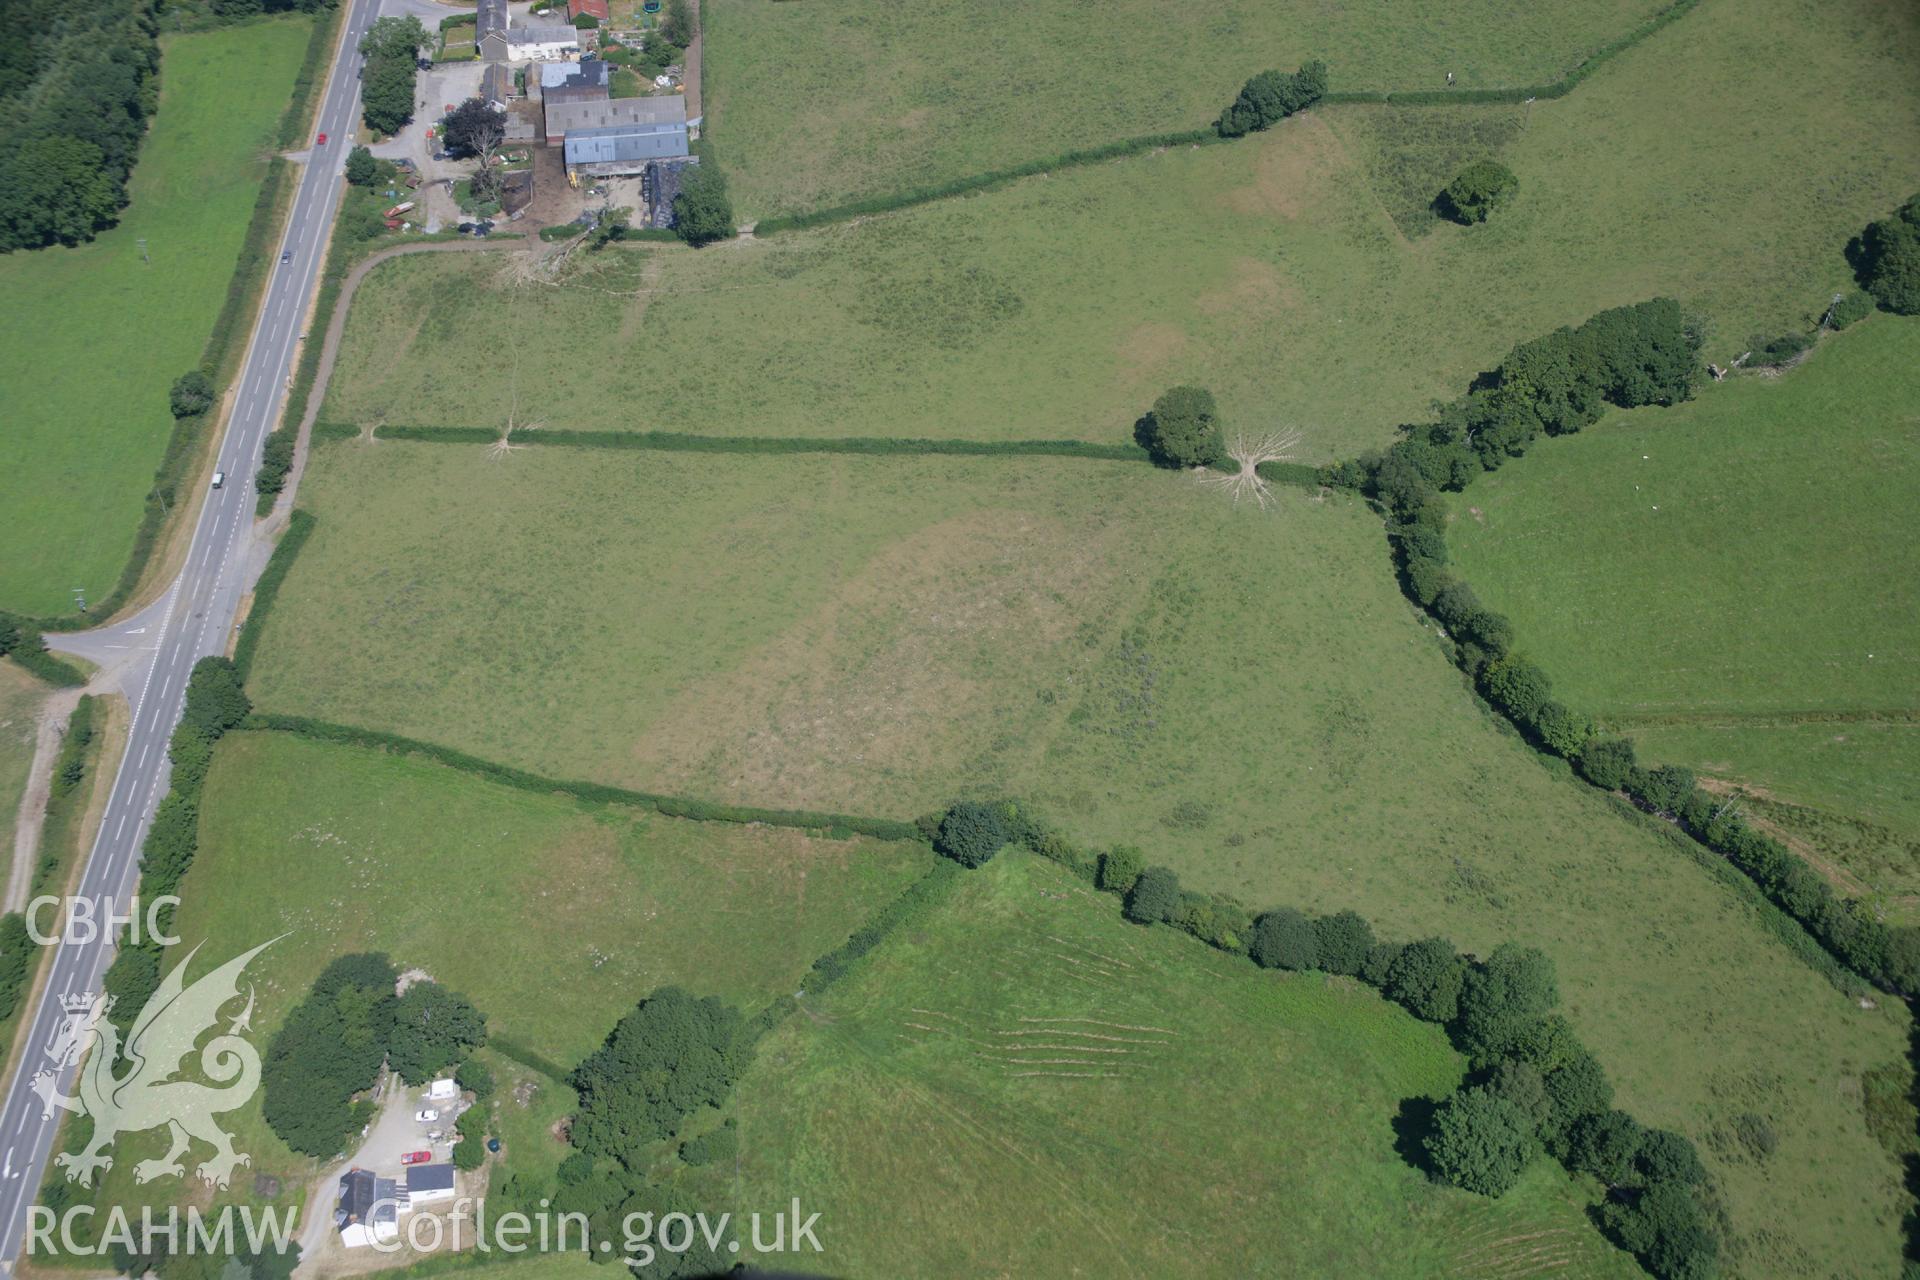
(416, 1157)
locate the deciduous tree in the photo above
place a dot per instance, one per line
(1890, 259)
(1477, 191)
(1154, 897)
(972, 832)
(192, 393)
(671, 1054)
(702, 211)
(1284, 939)
(1481, 1142)
(1182, 429)
(433, 1029)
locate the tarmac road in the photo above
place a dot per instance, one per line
(156, 649)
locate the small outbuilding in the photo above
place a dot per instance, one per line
(496, 85)
(367, 1210)
(427, 1183)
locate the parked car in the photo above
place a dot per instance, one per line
(426, 1115)
(416, 1157)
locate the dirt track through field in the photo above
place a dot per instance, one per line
(337, 324)
(54, 714)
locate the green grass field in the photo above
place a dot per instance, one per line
(92, 337)
(1731, 583)
(1292, 272)
(554, 917)
(1024, 1084)
(1245, 694)
(882, 97)
(348, 850)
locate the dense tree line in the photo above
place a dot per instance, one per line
(1630, 356)
(22, 641)
(77, 83)
(330, 1048)
(215, 704)
(673, 1054)
(247, 8)
(391, 48)
(1648, 353)
(16, 958)
(334, 1043)
(1533, 1088)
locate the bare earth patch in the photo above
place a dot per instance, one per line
(1291, 174)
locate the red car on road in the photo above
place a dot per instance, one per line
(416, 1157)
(323, 140)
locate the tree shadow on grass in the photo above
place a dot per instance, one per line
(1411, 1125)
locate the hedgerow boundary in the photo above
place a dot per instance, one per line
(347, 264)
(1791, 931)
(869, 446)
(832, 826)
(1556, 89)
(1406, 483)
(226, 343)
(267, 589)
(1208, 136)
(1219, 922)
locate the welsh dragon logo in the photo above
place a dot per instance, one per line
(157, 1047)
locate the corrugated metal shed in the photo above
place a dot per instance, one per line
(565, 117)
(624, 149)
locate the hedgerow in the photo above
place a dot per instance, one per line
(1499, 1011)
(1629, 356)
(267, 590)
(215, 704)
(985, 181)
(1554, 89)
(812, 821)
(1212, 134)
(678, 442)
